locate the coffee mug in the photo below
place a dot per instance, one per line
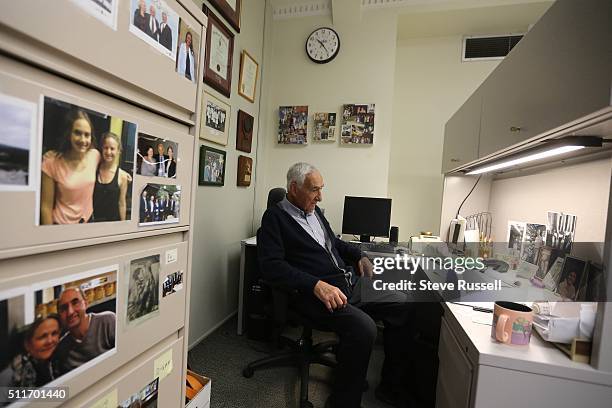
(512, 323)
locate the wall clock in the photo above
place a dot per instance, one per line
(322, 45)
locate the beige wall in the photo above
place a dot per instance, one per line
(363, 72)
(431, 83)
(224, 215)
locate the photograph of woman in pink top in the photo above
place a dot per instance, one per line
(69, 174)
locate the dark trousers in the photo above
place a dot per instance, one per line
(356, 328)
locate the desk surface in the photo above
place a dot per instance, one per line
(539, 357)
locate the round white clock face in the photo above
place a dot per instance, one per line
(323, 45)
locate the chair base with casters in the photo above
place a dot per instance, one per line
(301, 354)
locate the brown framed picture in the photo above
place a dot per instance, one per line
(245, 170)
(230, 10)
(218, 61)
(244, 132)
(247, 81)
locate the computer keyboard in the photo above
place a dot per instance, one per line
(383, 247)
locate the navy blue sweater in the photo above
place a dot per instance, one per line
(290, 257)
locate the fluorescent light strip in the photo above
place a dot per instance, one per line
(536, 156)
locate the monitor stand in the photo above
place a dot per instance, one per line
(364, 238)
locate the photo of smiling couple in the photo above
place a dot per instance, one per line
(87, 165)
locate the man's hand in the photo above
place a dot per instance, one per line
(331, 296)
(365, 267)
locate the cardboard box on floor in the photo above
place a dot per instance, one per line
(202, 398)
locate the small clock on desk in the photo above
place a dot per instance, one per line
(322, 45)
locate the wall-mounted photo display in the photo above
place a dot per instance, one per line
(212, 167)
(156, 157)
(215, 120)
(324, 127)
(219, 55)
(572, 277)
(172, 283)
(292, 125)
(244, 131)
(143, 289)
(187, 57)
(560, 230)
(358, 124)
(516, 232)
(87, 165)
(245, 170)
(247, 81)
(159, 204)
(57, 327)
(147, 397)
(154, 22)
(230, 10)
(103, 10)
(533, 242)
(17, 142)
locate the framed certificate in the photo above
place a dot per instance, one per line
(218, 61)
(230, 10)
(249, 70)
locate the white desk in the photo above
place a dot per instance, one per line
(477, 372)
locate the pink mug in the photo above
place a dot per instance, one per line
(512, 323)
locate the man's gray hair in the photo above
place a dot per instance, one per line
(298, 173)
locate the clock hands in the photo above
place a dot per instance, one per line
(323, 45)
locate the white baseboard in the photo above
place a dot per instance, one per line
(209, 332)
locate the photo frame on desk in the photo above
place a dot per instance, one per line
(249, 72)
(230, 10)
(219, 55)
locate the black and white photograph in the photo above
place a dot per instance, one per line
(215, 120)
(156, 157)
(572, 277)
(560, 230)
(143, 289)
(103, 10)
(57, 327)
(212, 166)
(154, 22)
(533, 241)
(87, 165)
(159, 204)
(359, 118)
(172, 283)
(17, 138)
(516, 233)
(187, 56)
(324, 127)
(145, 398)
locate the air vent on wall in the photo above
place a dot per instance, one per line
(489, 47)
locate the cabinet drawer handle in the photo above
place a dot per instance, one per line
(515, 129)
(455, 160)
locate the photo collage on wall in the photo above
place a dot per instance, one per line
(293, 125)
(357, 124)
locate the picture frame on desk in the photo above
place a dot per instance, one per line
(230, 10)
(572, 277)
(219, 55)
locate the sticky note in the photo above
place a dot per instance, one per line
(163, 365)
(107, 401)
(171, 255)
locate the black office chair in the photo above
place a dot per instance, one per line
(302, 352)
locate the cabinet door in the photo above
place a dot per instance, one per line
(454, 372)
(559, 72)
(461, 135)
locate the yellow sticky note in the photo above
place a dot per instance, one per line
(107, 401)
(163, 365)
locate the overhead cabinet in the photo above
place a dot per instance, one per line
(461, 134)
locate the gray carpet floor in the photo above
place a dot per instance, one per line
(223, 355)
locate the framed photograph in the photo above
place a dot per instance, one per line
(156, 157)
(219, 56)
(54, 310)
(187, 57)
(154, 22)
(103, 10)
(159, 204)
(215, 121)
(594, 285)
(324, 127)
(245, 170)
(230, 10)
(244, 131)
(249, 71)
(212, 167)
(143, 289)
(516, 232)
(560, 230)
(293, 125)
(96, 185)
(17, 143)
(358, 124)
(534, 239)
(572, 277)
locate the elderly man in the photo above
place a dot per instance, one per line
(165, 32)
(152, 27)
(89, 334)
(297, 249)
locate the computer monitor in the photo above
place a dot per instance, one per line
(366, 217)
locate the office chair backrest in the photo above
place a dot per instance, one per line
(275, 196)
